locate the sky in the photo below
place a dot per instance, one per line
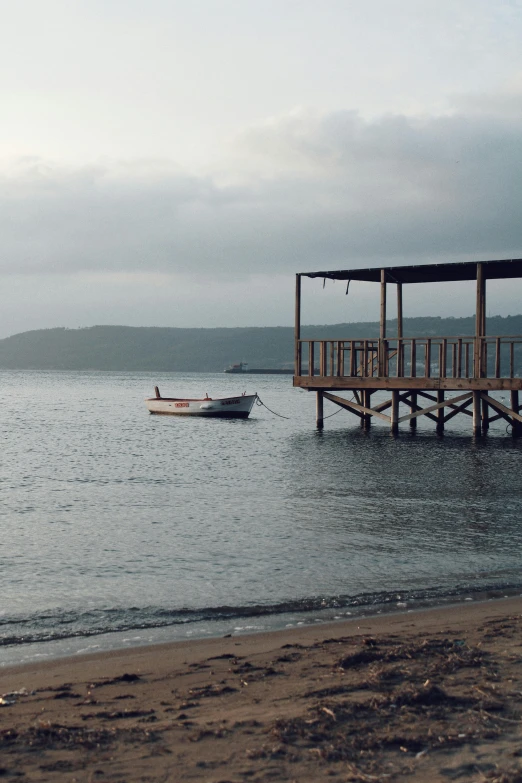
(165, 163)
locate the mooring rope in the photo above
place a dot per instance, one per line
(333, 414)
(336, 412)
(259, 401)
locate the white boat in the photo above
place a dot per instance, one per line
(222, 407)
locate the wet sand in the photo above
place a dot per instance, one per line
(424, 696)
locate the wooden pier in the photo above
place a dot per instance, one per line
(436, 377)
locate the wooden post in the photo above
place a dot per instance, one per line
(399, 310)
(400, 346)
(444, 358)
(297, 331)
(382, 333)
(480, 322)
(319, 411)
(322, 358)
(440, 412)
(483, 304)
(413, 359)
(427, 369)
(395, 412)
(366, 420)
(338, 353)
(383, 304)
(400, 358)
(485, 416)
(311, 358)
(365, 359)
(476, 412)
(413, 408)
(353, 363)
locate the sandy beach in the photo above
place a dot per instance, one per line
(434, 695)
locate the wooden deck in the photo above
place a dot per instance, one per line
(415, 369)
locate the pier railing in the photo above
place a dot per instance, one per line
(411, 357)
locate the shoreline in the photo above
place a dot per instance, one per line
(431, 693)
(105, 641)
(303, 627)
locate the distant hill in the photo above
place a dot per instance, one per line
(202, 350)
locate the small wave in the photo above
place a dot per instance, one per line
(62, 624)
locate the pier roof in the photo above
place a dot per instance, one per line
(428, 273)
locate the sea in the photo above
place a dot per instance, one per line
(120, 529)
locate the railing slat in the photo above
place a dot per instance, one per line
(375, 357)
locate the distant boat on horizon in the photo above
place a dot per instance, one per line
(242, 367)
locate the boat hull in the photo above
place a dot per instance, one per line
(220, 408)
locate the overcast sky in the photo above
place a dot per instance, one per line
(175, 163)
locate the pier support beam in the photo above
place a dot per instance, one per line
(413, 408)
(366, 419)
(319, 416)
(440, 412)
(485, 416)
(395, 412)
(476, 413)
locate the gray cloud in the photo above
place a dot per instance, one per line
(310, 192)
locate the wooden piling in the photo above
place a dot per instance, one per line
(319, 410)
(440, 412)
(484, 416)
(476, 413)
(395, 411)
(413, 408)
(366, 419)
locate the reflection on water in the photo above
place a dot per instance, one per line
(408, 510)
(115, 519)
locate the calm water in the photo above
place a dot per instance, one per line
(120, 528)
